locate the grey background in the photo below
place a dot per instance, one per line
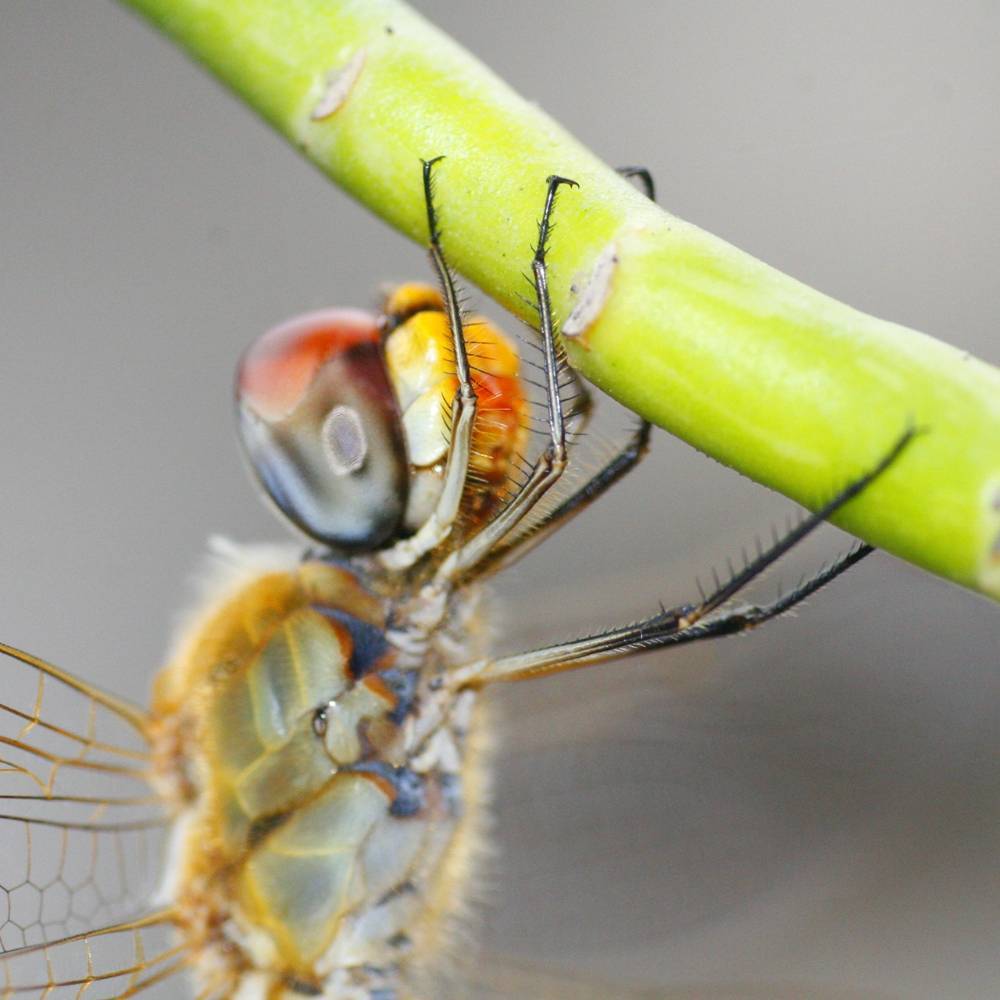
(816, 805)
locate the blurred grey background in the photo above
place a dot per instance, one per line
(811, 808)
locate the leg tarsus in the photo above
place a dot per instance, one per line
(551, 463)
(794, 535)
(433, 232)
(631, 453)
(644, 177)
(749, 617)
(437, 527)
(447, 282)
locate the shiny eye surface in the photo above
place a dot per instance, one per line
(321, 427)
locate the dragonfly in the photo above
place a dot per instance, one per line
(300, 810)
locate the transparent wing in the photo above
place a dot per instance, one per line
(80, 829)
(120, 960)
(499, 978)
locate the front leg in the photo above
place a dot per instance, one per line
(617, 467)
(438, 526)
(549, 467)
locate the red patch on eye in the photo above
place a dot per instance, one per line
(277, 370)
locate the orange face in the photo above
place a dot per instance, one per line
(419, 360)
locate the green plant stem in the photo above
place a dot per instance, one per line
(791, 388)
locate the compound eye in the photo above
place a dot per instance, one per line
(322, 429)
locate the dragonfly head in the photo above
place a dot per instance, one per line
(345, 416)
(322, 429)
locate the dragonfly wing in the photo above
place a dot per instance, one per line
(120, 960)
(80, 827)
(498, 978)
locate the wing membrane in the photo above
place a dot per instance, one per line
(501, 978)
(80, 828)
(498, 978)
(120, 960)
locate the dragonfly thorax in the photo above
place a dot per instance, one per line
(327, 792)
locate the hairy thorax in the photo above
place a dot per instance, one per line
(325, 784)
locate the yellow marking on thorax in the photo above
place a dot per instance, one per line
(232, 628)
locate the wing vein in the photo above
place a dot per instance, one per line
(130, 713)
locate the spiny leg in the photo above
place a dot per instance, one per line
(617, 467)
(621, 463)
(752, 615)
(463, 410)
(644, 177)
(689, 622)
(659, 631)
(552, 462)
(791, 538)
(648, 186)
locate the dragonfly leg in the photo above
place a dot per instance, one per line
(463, 409)
(622, 462)
(643, 176)
(486, 546)
(697, 620)
(627, 458)
(552, 462)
